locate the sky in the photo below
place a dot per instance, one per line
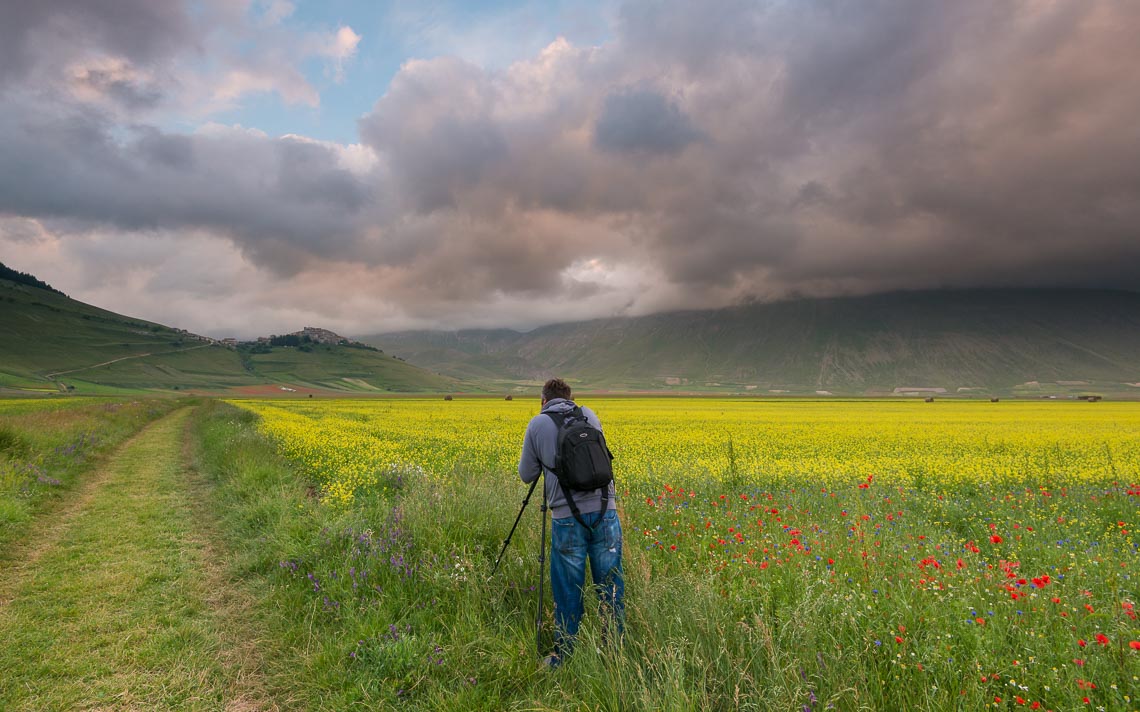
(247, 167)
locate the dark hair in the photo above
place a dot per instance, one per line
(555, 388)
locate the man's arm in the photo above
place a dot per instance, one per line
(529, 465)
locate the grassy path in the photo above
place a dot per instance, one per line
(121, 601)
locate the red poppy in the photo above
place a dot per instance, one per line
(995, 539)
(1102, 639)
(1134, 644)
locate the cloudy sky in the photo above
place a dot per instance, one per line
(241, 167)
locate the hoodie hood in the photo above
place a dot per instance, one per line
(559, 405)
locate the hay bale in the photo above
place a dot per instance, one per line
(509, 398)
(994, 400)
(447, 398)
(930, 399)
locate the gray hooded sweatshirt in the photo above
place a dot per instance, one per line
(538, 451)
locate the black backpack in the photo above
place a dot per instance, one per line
(582, 462)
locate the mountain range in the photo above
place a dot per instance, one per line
(1032, 342)
(1028, 341)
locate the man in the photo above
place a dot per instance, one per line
(597, 535)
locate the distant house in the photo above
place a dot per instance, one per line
(229, 342)
(916, 390)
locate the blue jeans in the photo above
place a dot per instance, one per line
(570, 544)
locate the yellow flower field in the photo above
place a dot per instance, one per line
(354, 447)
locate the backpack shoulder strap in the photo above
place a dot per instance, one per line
(559, 419)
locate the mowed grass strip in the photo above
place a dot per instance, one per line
(117, 614)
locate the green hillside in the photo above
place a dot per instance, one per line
(49, 342)
(996, 341)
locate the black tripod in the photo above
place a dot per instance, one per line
(541, 560)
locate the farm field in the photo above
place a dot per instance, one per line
(789, 555)
(779, 555)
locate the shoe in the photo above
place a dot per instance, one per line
(552, 662)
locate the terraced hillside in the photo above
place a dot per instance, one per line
(51, 343)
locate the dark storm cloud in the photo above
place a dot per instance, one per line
(53, 31)
(814, 147)
(283, 200)
(696, 37)
(710, 152)
(438, 146)
(640, 121)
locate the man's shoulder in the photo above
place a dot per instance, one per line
(539, 421)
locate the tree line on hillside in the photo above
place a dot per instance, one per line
(302, 342)
(18, 277)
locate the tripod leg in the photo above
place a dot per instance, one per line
(541, 579)
(522, 509)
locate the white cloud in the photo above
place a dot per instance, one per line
(286, 81)
(274, 12)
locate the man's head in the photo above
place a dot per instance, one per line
(555, 388)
